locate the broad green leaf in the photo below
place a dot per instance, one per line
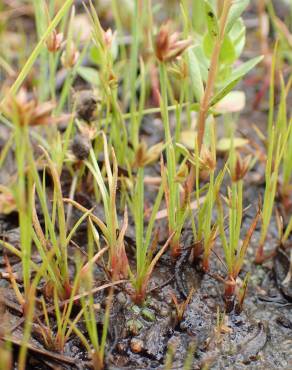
(90, 75)
(227, 53)
(237, 8)
(195, 74)
(212, 23)
(224, 73)
(235, 77)
(203, 61)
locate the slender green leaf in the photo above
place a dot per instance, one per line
(235, 77)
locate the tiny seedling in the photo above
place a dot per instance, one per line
(182, 306)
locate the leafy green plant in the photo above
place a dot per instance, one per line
(221, 46)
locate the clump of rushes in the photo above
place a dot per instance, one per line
(234, 249)
(145, 248)
(103, 41)
(118, 262)
(204, 232)
(278, 146)
(56, 338)
(168, 48)
(24, 112)
(46, 238)
(96, 344)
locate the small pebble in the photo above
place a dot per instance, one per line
(121, 298)
(164, 311)
(75, 349)
(136, 345)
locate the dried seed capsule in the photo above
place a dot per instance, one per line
(81, 147)
(86, 103)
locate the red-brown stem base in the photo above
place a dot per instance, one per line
(138, 297)
(229, 293)
(260, 257)
(197, 251)
(175, 250)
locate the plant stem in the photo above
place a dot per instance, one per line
(214, 64)
(170, 154)
(133, 72)
(139, 219)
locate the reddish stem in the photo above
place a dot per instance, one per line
(229, 293)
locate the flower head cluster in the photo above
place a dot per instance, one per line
(26, 111)
(168, 45)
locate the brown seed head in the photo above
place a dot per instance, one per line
(168, 45)
(27, 111)
(208, 159)
(145, 156)
(70, 56)
(241, 167)
(108, 37)
(54, 41)
(180, 69)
